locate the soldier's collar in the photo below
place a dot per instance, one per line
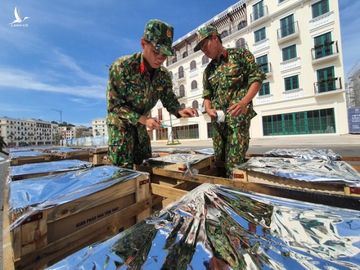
(145, 66)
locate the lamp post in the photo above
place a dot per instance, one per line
(60, 112)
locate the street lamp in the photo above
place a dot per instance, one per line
(60, 112)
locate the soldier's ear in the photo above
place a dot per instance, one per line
(143, 43)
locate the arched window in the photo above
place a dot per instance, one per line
(242, 24)
(240, 43)
(193, 85)
(195, 104)
(171, 74)
(192, 65)
(182, 91)
(224, 33)
(182, 106)
(204, 60)
(184, 54)
(181, 72)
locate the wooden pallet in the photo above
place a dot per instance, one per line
(33, 159)
(52, 234)
(80, 154)
(328, 195)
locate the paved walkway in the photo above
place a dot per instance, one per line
(306, 140)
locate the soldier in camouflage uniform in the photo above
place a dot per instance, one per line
(136, 83)
(230, 82)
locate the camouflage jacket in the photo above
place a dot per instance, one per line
(227, 80)
(131, 92)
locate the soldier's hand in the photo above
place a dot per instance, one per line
(212, 113)
(188, 112)
(237, 109)
(152, 123)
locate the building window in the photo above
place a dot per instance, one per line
(289, 52)
(182, 106)
(181, 72)
(320, 8)
(258, 10)
(323, 45)
(291, 83)
(182, 91)
(326, 79)
(262, 61)
(204, 60)
(224, 33)
(308, 122)
(287, 26)
(240, 43)
(193, 65)
(195, 104)
(242, 24)
(193, 85)
(260, 34)
(187, 132)
(171, 74)
(265, 89)
(160, 118)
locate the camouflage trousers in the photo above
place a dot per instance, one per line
(230, 144)
(128, 146)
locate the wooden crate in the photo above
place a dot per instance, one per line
(328, 196)
(98, 156)
(80, 154)
(32, 159)
(53, 233)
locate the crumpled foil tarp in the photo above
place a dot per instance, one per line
(48, 167)
(186, 159)
(29, 196)
(25, 153)
(205, 151)
(172, 150)
(304, 153)
(1, 159)
(336, 172)
(215, 227)
(61, 150)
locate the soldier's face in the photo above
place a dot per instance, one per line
(210, 47)
(152, 56)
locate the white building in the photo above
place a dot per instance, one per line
(99, 127)
(297, 43)
(19, 132)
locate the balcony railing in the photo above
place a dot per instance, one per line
(288, 32)
(328, 85)
(323, 50)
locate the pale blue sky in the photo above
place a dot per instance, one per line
(59, 61)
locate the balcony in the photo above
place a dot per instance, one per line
(259, 16)
(287, 33)
(325, 52)
(331, 85)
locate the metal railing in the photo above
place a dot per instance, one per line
(326, 49)
(328, 85)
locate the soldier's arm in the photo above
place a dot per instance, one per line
(118, 106)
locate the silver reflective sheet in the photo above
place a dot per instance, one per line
(172, 150)
(29, 196)
(46, 167)
(304, 153)
(215, 227)
(178, 158)
(61, 150)
(205, 151)
(26, 153)
(305, 170)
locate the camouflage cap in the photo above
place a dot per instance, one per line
(160, 34)
(203, 33)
